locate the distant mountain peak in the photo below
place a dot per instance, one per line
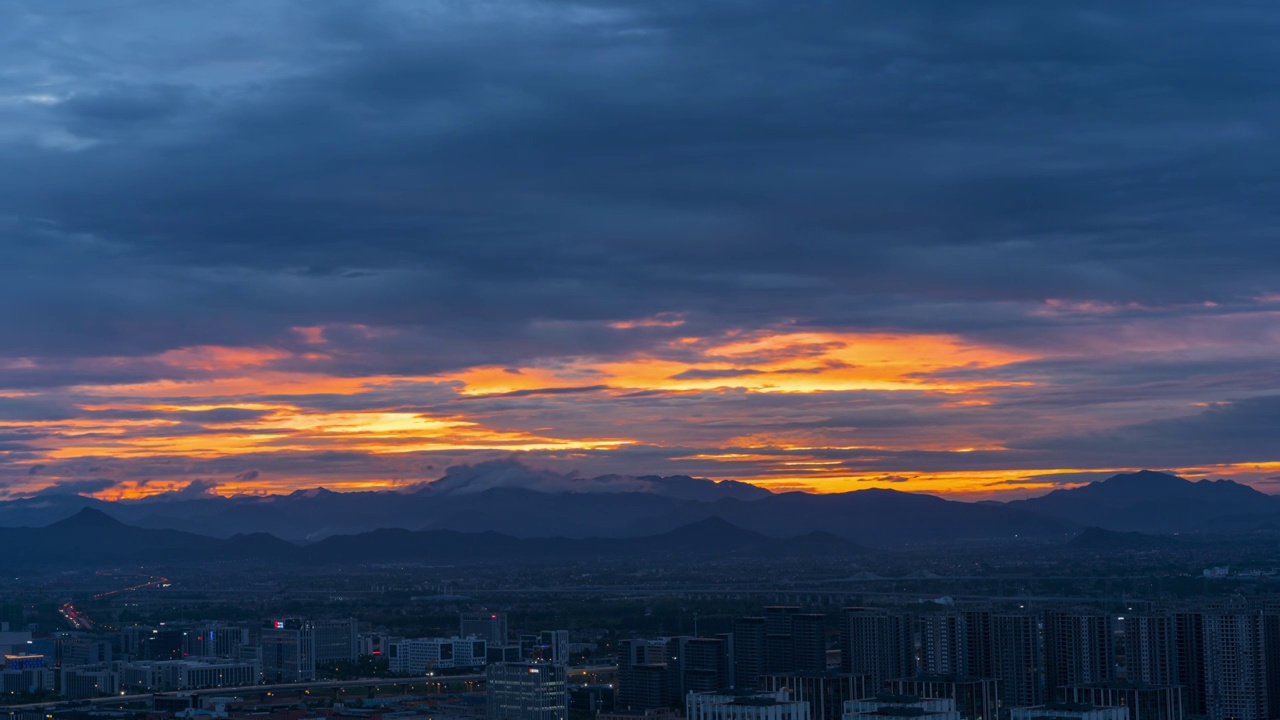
(1151, 501)
(513, 474)
(88, 518)
(1146, 476)
(314, 492)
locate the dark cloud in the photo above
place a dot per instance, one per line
(1241, 431)
(78, 487)
(518, 185)
(655, 157)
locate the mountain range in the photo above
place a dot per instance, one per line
(508, 499)
(92, 538)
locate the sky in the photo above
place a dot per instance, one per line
(977, 249)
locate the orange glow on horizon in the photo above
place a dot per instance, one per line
(253, 380)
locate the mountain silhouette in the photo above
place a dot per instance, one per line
(1151, 502)
(1098, 540)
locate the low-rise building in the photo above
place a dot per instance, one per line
(421, 655)
(975, 698)
(187, 674)
(1069, 711)
(1144, 702)
(86, 681)
(900, 707)
(745, 706)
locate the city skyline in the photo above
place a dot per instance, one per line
(980, 252)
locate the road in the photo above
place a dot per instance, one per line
(274, 688)
(80, 621)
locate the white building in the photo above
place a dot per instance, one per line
(187, 674)
(753, 706)
(420, 655)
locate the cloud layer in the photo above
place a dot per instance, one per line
(956, 247)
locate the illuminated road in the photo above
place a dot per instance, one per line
(73, 616)
(155, 581)
(280, 688)
(79, 621)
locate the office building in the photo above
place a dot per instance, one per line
(335, 641)
(76, 649)
(704, 665)
(825, 691)
(155, 643)
(25, 661)
(188, 674)
(218, 640)
(645, 680)
(421, 655)
(1144, 702)
(550, 646)
(502, 653)
(877, 643)
(526, 691)
(14, 680)
(287, 652)
(597, 699)
(744, 706)
(86, 681)
(489, 626)
(974, 698)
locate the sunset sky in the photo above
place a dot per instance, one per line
(979, 249)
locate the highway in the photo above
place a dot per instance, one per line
(274, 688)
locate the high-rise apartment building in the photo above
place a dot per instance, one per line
(877, 643)
(1151, 649)
(1017, 659)
(1188, 638)
(658, 673)
(1079, 648)
(749, 647)
(1235, 675)
(944, 644)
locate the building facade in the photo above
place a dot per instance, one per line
(526, 691)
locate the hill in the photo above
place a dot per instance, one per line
(1151, 502)
(1098, 540)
